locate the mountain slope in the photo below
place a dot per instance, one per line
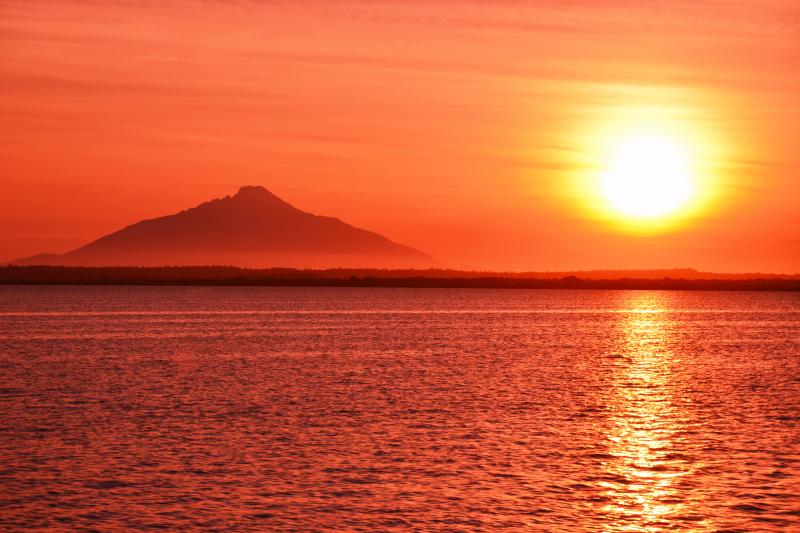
(252, 228)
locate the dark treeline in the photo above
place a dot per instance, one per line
(219, 275)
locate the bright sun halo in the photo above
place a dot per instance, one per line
(647, 176)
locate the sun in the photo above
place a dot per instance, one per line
(647, 177)
(646, 168)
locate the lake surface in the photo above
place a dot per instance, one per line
(301, 409)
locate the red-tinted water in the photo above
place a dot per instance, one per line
(390, 409)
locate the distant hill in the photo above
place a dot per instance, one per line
(253, 228)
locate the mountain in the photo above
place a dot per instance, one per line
(253, 228)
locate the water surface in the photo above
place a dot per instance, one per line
(296, 409)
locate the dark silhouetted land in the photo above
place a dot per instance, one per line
(680, 279)
(252, 228)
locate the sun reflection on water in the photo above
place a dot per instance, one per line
(646, 465)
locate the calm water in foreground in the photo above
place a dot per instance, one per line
(292, 409)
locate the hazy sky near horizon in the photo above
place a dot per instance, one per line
(471, 130)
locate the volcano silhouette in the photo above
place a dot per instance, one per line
(253, 228)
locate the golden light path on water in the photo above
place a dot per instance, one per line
(647, 424)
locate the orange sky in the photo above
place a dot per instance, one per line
(467, 129)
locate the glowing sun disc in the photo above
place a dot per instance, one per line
(648, 177)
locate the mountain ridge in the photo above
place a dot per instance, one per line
(252, 228)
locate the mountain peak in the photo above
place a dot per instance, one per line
(255, 192)
(251, 228)
(257, 197)
(252, 190)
